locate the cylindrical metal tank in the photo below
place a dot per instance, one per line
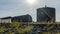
(46, 14)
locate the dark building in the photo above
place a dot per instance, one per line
(23, 18)
(46, 14)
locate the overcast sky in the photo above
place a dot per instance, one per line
(20, 7)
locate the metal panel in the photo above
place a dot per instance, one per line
(45, 14)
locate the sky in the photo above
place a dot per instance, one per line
(21, 7)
